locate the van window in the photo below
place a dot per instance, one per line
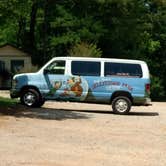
(85, 68)
(122, 69)
(56, 67)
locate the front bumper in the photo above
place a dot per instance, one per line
(14, 93)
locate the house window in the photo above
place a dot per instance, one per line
(16, 65)
(2, 65)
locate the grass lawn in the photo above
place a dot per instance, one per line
(6, 102)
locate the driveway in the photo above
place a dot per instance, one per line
(77, 134)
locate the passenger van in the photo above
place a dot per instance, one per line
(119, 82)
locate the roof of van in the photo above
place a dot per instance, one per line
(100, 59)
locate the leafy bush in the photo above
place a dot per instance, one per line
(157, 88)
(85, 50)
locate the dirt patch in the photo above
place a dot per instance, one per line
(4, 93)
(76, 134)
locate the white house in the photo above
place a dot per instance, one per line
(12, 59)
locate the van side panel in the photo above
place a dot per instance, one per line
(92, 89)
(101, 89)
(97, 88)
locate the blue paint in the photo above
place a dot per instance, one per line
(84, 88)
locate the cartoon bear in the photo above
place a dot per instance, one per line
(77, 88)
(73, 87)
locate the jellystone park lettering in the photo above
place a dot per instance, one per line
(105, 83)
(108, 83)
(127, 86)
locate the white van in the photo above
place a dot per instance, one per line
(119, 82)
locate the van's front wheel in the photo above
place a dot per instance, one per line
(31, 98)
(121, 105)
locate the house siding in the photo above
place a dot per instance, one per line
(7, 60)
(10, 53)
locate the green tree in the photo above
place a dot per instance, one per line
(121, 29)
(85, 50)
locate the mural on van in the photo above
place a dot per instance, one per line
(71, 87)
(78, 88)
(55, 86)
(74, 87)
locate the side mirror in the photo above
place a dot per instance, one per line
(46, 71)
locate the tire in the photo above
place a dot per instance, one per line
(31, 98)
(41, 102)
(121, 105)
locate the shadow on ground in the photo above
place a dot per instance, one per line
(42, 113)
(130, 113)
(20, 111)
(143, 114)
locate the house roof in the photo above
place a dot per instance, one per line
(8, 50)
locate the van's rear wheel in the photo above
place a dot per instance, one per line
(121, 105)
(31, 98)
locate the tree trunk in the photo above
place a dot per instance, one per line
(32, 25)
(45, 29)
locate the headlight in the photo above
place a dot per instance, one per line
(14, 83)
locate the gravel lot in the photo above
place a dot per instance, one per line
(74, 134)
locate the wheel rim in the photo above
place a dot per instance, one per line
(121, 105)
(29, 98)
